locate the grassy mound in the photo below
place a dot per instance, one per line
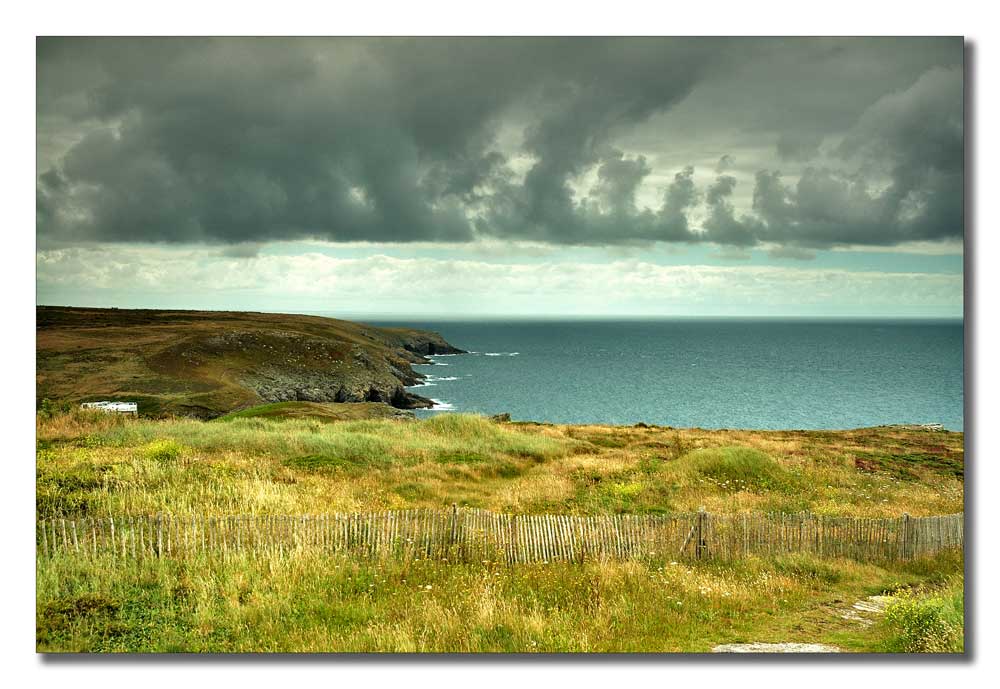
(740, 468)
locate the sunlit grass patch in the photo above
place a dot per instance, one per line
(739, 468)
(163, 450)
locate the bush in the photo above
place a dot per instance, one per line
(925, 624)
(163, 451)
(49, 408)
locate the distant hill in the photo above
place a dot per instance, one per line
(208, 363)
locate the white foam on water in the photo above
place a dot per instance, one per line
(501, 353)
(441, 405)
(421, 385)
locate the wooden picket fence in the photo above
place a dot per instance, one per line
(470, 535)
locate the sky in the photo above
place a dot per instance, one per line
(483, 177)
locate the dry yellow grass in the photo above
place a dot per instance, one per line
(98, 463)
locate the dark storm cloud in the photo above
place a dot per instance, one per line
(396, 140)
(914, 138)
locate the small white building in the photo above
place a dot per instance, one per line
(114, 407)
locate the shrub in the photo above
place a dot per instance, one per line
(162, 451)
(924, 624)
(48, 408)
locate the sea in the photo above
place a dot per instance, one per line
(734, 373)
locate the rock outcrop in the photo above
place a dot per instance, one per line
(291, 366)
(417, 343)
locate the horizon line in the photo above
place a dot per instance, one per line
(370, 315)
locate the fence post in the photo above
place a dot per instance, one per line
(906, 536)
(454, 529)
(700, 543)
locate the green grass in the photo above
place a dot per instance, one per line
(309, 602)
(741, 468)
(163, 450)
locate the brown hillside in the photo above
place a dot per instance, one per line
(206, 363)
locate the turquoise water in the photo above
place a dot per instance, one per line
(711, 374)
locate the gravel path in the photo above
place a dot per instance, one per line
(757, 647)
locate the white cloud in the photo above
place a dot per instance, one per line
(317, 281)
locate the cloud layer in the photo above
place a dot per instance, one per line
(379, 283)
(561, 141)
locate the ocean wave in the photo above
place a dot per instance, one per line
(437, 378)
(501, 353)
(441, 405)
(421, 385)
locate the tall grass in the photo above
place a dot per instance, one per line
(309, 602)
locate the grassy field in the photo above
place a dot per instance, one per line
(325, 603)
(95, 464)
(92, 463)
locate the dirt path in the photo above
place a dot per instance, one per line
(864, 613)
